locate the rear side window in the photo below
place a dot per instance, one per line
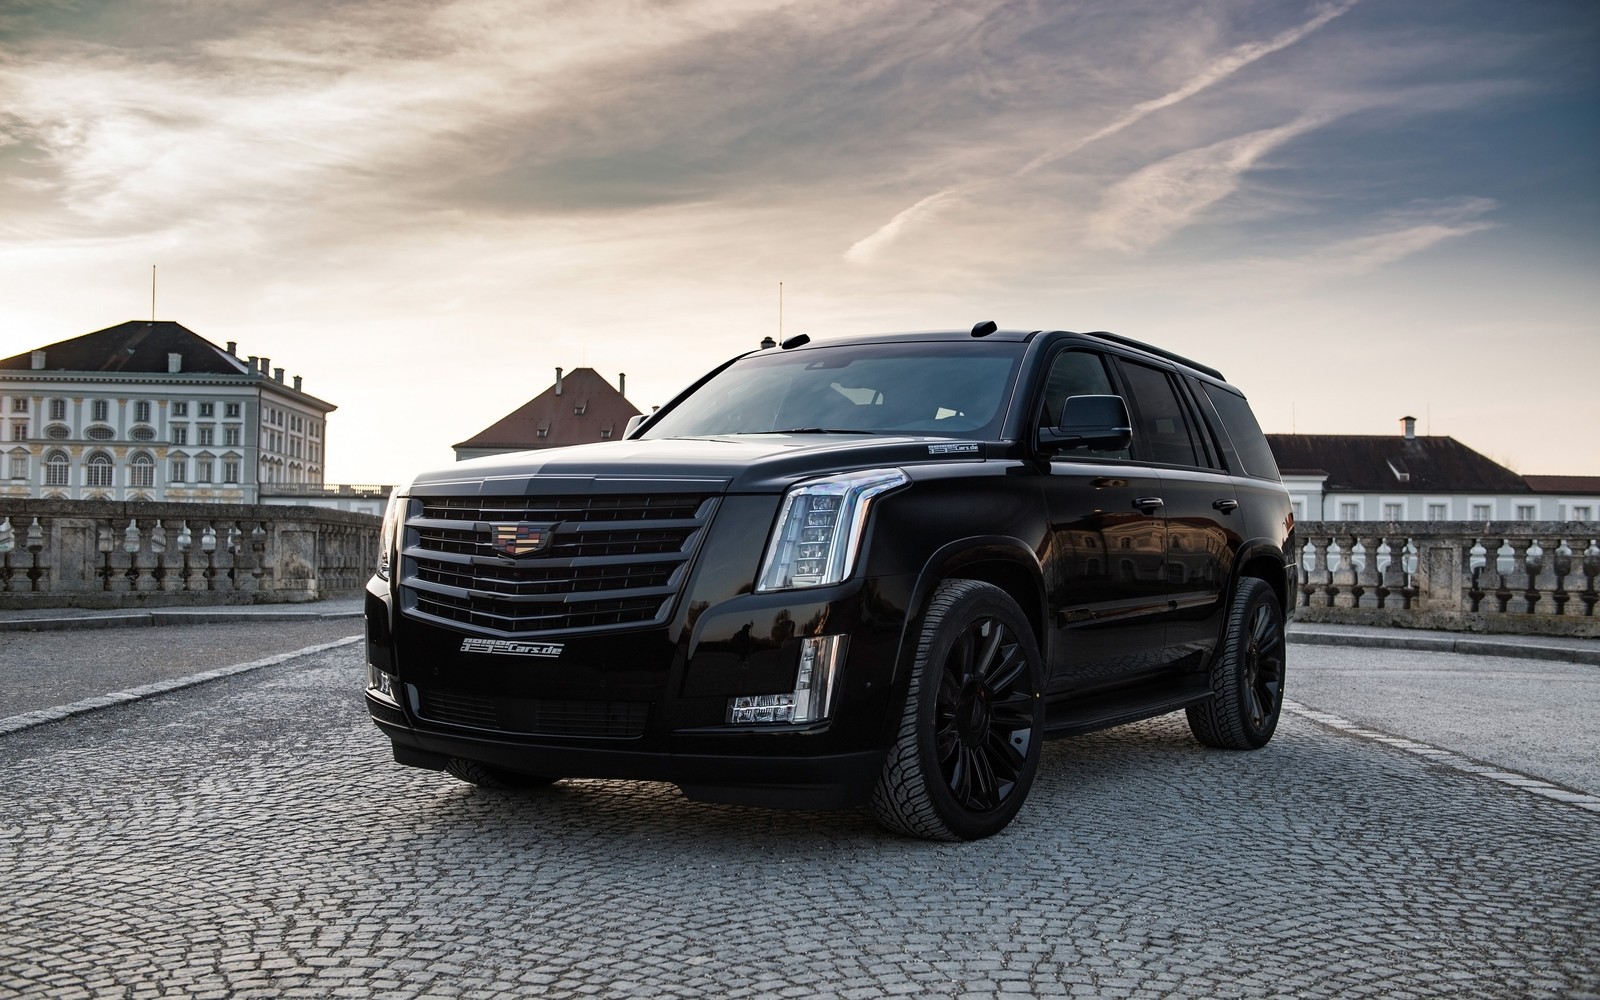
(1160, 425)
(1248, 441)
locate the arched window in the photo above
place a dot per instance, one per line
(57, 469)
(99, 471)
(142, 472)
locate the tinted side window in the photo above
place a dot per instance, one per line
(1161, 431)
(1254, 453)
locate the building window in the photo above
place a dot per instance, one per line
(142, 473)
(232, 410)
(1482, 511)
(208, 436)
(179, 469)
(19, 405)
(99, 472)
(141, 411)
(1349, 511)
(1527, 512)
(230, 470)
(1438, 511)
(57, 470)
(202, 470)
(1394, 511)
(19, 466)
(206, 409)
(57, 432)
(19, 430)
(100, 410)
(1582, 512)
(58, 409)
(180, 435)
(142, 434)
(180, 409)
(230, 436)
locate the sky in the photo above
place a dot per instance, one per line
(1358, 210)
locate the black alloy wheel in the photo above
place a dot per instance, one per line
(972, 727)
(1246, 674)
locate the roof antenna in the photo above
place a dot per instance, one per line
(152, 293)
(985, 328)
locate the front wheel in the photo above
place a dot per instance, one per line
(973, 722)
(1246, 674)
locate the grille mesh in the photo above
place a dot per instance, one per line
(611, 561)
(537, 717)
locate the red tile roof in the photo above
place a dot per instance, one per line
(1571, 485)
(1393, 463)
(585, 408)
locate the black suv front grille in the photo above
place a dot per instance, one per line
(610, 561)
(537, 717)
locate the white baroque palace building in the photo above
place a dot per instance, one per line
(153, 411)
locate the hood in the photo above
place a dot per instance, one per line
(746, 463)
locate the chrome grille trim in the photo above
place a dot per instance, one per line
(613, 562)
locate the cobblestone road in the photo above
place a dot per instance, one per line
(250, 838)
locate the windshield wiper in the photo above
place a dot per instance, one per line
(820, 430)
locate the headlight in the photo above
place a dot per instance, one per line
(820, 529)
(392, 516)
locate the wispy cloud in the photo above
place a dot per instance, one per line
(866, 249)
(1155, 202)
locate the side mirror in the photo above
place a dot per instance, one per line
(1099, 423)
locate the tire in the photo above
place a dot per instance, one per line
(487, 776)
(973, 723)
(1246, 674)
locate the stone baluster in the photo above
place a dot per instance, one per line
(1312, 575)
(1591, 570)
(1337, 571)
(1410, 559)
(258, 554)
(1562, 565)
(1363, 559)
(1505, 567)
(208, 547)
(132, 542)
(158, 553)
(1543, 583)
(185, 547)
(235, 577)
(105, 545)
(1477, 574)
(8, 544)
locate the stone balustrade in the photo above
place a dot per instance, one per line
(114, 554)
(1536, 578)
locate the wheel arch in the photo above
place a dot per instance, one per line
(1002, 561)
(1265, 561)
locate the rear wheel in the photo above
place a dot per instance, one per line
(973, 722)
(488, 776)
(1246, 674)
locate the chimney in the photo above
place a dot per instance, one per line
(277, 374)
(38, 360)
(233, 347)
(174, 362)
(297, 382)
(253, 360)
(558, 381)
(266, 365)
(622, 384)
(1409, 424)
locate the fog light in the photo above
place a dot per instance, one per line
(383, 684)
(812, 697)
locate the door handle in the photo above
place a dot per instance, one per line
(1226, 506)
(1149, 504)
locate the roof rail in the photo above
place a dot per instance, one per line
(1159, 352)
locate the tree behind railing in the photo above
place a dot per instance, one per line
(111, 554)
(1514, 577)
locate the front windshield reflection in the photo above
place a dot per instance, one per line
(939, 388)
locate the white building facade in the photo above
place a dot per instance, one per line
(153, 411)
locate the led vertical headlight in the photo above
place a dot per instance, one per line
(393, 514)
(820, 527)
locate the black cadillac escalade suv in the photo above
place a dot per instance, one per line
(874, 570)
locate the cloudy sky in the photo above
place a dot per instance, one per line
(1357, 209)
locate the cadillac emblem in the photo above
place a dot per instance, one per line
(521, 538)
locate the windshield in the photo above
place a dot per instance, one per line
(936, 388)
